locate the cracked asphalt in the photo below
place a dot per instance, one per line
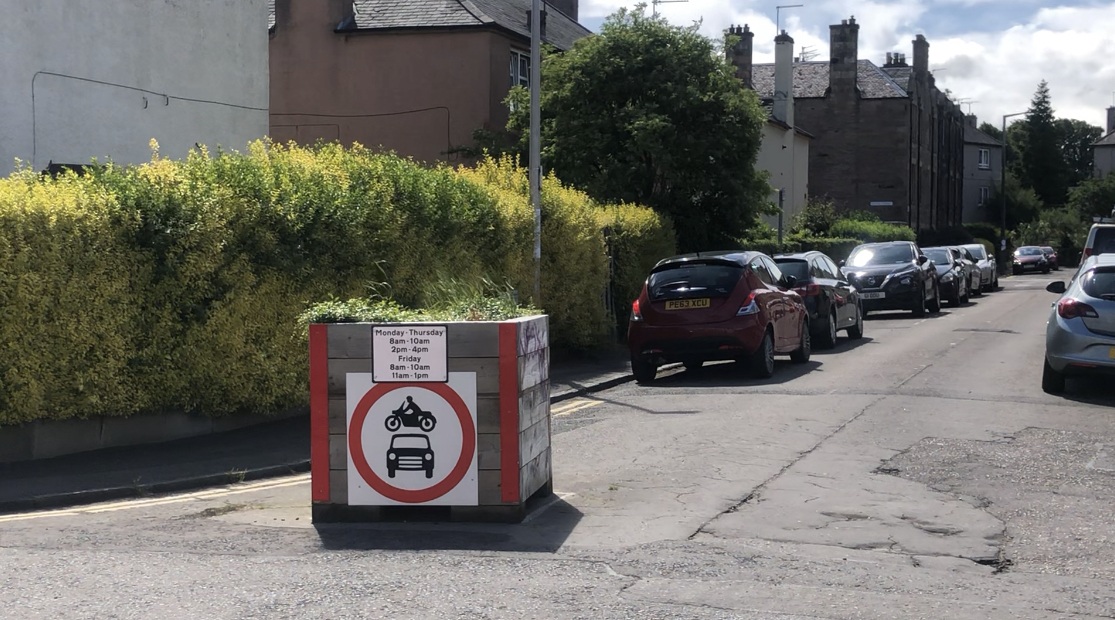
(917, 473)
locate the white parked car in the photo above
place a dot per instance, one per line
(989, 270)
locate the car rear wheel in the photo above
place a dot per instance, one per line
(855, 332)
(801, 354)
(643, 369)
(1052, 382)
(827, 338)
(762, 362)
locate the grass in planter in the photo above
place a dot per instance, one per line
(447, 299)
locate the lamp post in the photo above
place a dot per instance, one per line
(534, 158)
(1003, 192)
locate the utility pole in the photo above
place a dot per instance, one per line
(778, 15)
(654, 5)
(1003, 192)
(535, 156)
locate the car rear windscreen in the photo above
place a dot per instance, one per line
(1105, 240)
(977, 251)
(694, 280)
(794, 267)
(1100, 283)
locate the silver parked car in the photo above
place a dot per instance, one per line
(989, 270)
(1080, 333)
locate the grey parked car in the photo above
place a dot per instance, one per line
(1080, 333)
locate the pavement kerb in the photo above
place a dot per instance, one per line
(93, 496)
(96, 496)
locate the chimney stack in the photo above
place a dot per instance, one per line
(971, 118)
(313, 13)
(569, 7)
(739, 53)
(783, 109)
(844, 53)
(921, 55)
(1111, 119)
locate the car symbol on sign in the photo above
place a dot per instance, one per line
(410, 453)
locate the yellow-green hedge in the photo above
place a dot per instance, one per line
(176, 285)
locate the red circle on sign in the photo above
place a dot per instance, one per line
(390, 491)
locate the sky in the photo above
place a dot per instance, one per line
(989, 54)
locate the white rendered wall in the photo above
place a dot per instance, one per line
(83, 79)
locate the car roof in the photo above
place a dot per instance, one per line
(739, 257)
(1098, 260)
(806, 255)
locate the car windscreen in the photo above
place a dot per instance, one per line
(794, 267)
(977, 251)
(694, 280)
(1100, 283)
(403, 441)
(941, 257)
(865, 256)
(1028, 251)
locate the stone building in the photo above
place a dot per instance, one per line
(784, 150)
(983, 170)
(886, 139)
(1103, 150)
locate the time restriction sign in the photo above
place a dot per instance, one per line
(412, 443)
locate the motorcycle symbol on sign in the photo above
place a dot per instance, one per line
(410, 415)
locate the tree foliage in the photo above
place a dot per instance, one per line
(1094, 197)
(1023, 203)
(1042, 164)
(1076, 139)
(650, 113)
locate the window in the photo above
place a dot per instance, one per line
(984, 195)
(761, 271)
(520, 69)
(775, 272)
(984, 159)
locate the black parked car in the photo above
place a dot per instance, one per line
(893, 275)
(833, 303)
(952, 275)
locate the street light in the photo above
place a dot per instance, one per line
(1003, 191)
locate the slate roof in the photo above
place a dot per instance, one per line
(561, 31)
(1108, 140)
(811, 80)
(900, 75)
(972, 135)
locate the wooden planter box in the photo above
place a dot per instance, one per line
(485, 383)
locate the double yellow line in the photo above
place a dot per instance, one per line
(573, 406)
(132, 504)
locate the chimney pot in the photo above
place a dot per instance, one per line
(740, 53)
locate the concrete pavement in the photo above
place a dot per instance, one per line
(267, 450)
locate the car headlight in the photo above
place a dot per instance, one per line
(906, 280)
(948, 277)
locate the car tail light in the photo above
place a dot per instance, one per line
(1070, 308)
(1087, 252)
(750, 306)
(809, 290)
(635, 314)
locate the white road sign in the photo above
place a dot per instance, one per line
(410, 353)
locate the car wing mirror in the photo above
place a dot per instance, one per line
(789, 281)
(923, 259)
(841, 263)
(1056, 287)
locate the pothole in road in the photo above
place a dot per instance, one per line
(217, 511)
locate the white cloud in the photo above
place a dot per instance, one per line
(996, 70)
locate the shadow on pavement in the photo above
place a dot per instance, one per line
(843, 344)
(734, 374)
(545, 530)
(1090, 390)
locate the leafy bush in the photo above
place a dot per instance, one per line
(869, 232)
(180, 285)
(815, 219)
(637, 238)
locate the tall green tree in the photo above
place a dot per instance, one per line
(1042, 164)
(652, 113)
(1076, 139)
(991, 130)
(1094, 197)
(1023, 204)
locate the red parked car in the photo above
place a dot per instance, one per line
(713, 306)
